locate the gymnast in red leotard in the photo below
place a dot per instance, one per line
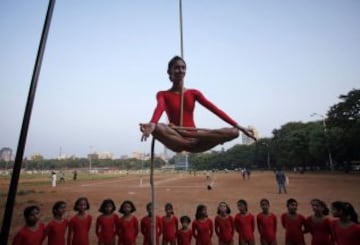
(187, 137)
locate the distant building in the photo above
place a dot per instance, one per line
(247, 140)
(182, 163)
(124, 157)
(106, 155)
(6, 154)
(138, 155)
(100, 156)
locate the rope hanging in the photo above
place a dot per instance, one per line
(153, 206)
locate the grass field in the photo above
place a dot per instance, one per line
(183, 190)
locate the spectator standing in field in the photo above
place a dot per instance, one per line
(170, 225)
(224, 224)
(128, 224)
(202, 227)
(75, 175)
(266, 224)
(318, 224)
(106, 223)
(53, 178)
(281, 180)
(33, 232)
(245, 224)
(56, 228)
(80, 223)
(62, 177)
(184, 235)
(294, 224)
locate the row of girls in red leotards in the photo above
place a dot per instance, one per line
(343, 231)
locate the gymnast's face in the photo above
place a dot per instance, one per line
(177, 71)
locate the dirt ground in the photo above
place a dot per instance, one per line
(185, 192)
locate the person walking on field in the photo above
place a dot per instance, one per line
(281, 180)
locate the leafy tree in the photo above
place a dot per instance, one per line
(344, 121)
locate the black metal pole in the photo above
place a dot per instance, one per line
(9, 208)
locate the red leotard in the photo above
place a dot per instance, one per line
(203, 231)
(25, 236)
(266, 225)
(294, 228)
(245, 226)
(224, 228)
(345, 236)
(320, 231)
(106, 228)
(170, 103)
(55, 231)
(79, 228)
(128, 230)
(145, 224)
(169, 228)
(184, 237)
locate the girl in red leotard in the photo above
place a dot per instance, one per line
(56, 228)
(266, 224)
(128, 224)
(106, 223)
(294, 224)
(33, 232)
(244, 224)
(170, 225)
(346, 229)
(188, 139)
(202, 226)
(224, 224)
(318, 224)
(184, 234)
(145, 226)
(80, 223)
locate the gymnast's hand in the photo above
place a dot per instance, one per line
(146, 129)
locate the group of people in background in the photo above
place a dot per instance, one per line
(111, 229)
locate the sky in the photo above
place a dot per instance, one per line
(265, 63)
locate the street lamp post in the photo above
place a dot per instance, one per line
(268, 154)
(331, 165)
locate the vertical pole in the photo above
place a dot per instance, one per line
(268, 158)
(153, 215)
(182, 56)
(181, 29)
(9, 208)
(331, 165)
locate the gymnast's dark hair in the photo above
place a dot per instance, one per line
(105, 203)
(173, 60)
(228, 210)
(199, 209)
(79, 200)
(185, 218)
(56, 206)
(243, 202)
(121, 209)
(169, 206)
(265, 200)
(347, 209)
(29, 209)
(326, 210)
(290, 201)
